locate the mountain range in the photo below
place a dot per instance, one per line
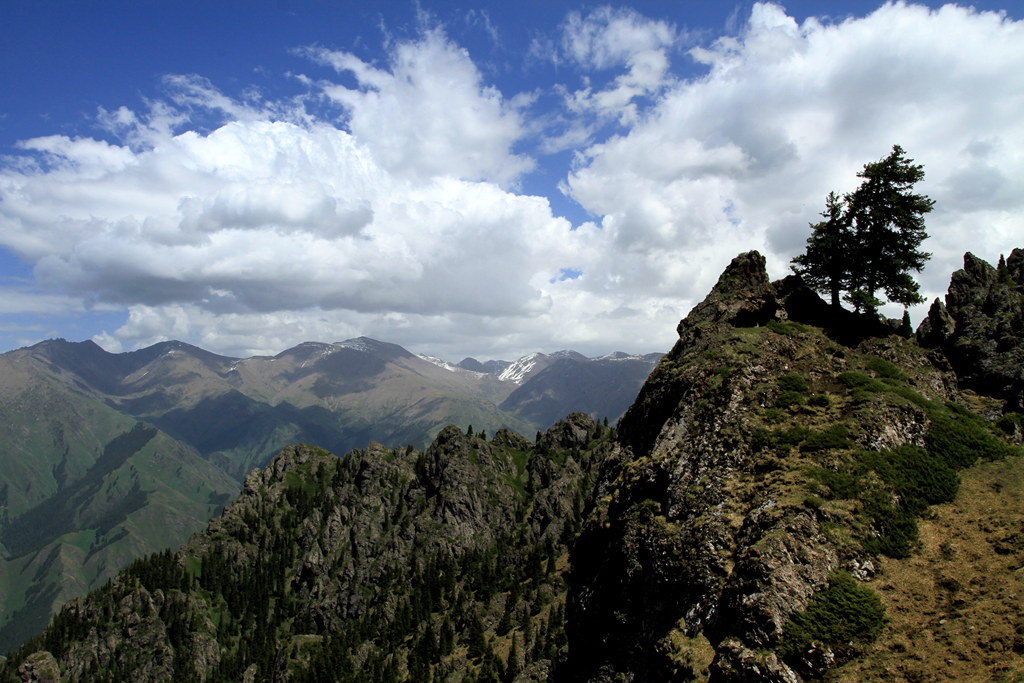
(108, 457)
(797, 492)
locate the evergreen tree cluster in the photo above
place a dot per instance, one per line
(869, 240)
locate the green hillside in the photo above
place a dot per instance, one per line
(85, 490)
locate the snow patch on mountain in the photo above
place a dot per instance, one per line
(619, 355)
(443, 364)
(359, 344)
(518, 371)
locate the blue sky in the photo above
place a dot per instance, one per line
(477, 178)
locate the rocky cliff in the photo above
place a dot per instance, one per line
(381, 565)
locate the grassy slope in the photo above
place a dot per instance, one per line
(76, 511)
(49, 436)
(954, 608)
(953, 604)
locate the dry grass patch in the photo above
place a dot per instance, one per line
(955, 607)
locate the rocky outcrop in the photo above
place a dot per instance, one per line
(701, 538)
(981, 327)
(40, 667)
(743, 297)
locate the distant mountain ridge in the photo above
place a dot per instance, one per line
(343, 394)
(569, 379)
(212, 419)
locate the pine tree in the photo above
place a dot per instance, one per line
(512, 667)
(825, 266)
(870, 239)
(906, 329)
(888, 220)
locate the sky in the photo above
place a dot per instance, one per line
(470, 178)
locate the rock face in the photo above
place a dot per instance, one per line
(702, 544)
(981, 327)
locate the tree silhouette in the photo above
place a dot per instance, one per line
(870, 239)
(825, 265)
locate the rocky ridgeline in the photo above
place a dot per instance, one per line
(764, 463)
(980, 327)
(776, 459)
(381, 565)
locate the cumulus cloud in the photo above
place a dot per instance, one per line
(608, 39)
(267, 219)
(744, 156)
(429, 112)
(270, 215)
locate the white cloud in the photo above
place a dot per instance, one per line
(108, 343)
(608, 38)
(429, 113)
(272, 216)
(744, 156)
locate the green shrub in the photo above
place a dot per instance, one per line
(819, 401)
(792, 382)
(858, 380)
(913, 397)
(883, 368)
(836, 436)
(787, 329)
(895, 529)
(918, 476)
(762, 439)
(959, 440)
(838, 484)
(776, 439)
(786, 399)
(842, 613)
(791, 436)
(814, 502)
